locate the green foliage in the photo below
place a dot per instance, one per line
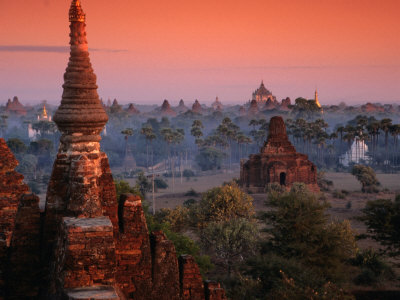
(27, 165)
(338, 194)
(123, 187)
(304, 255)
(144, 184)
(189, 202)
(274, 188)
(307, 109)
(373, 269)
(188, 173)
(192, 193)
(222, 204)
(17, 146)
(177, 219)
(366, 176)
(210, 158)
(231, 241)
(382, 218)
(41, 147)
(159, 183)
(182, 243)
(299, 227)
(277, 277)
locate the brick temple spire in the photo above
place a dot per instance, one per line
(80, 117)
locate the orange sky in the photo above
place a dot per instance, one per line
(150, 50)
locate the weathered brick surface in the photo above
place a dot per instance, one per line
(278, 162)
(165, 268)
(214, 291)
(3, 264)
(23, 275)
(84, 254)
(191, 282)
(133, 250)
(11, 189)
(92, 293)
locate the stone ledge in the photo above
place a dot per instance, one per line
(92, 293)
(88, 224)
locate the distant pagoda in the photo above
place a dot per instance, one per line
(316, 99)
(262, 95)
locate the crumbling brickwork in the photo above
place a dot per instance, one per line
(11, 189)
(278, 162)
(165, 268)
(23, 272)
(134, 266)
(192, 286)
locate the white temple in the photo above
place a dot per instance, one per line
(356, 154)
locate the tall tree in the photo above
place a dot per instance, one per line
(127, 132)
(148, 133)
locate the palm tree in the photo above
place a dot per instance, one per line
(395, 132)
(385, 126)
(149, 135)
(127, 132)
(196, 132)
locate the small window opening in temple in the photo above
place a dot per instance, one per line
(283, 178)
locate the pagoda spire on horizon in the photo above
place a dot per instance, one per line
(316, 99)
(44, 111)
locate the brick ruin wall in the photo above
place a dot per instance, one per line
(106, 255)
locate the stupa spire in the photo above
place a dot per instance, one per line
(76, 13)
(44, 111)
(316, 99)
(80, 117)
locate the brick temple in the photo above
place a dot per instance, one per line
(278, 162)
(87, 244)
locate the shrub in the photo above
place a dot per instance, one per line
(182, 243)
(222, 204)
(210, 158)
(231, 241)
(373, 268)
(187, 173)
(177, 218)
(159, 183)
(189, 202)
(191, 193)
(367, 177)
(338, 194)
(382, 218)
(274, 188)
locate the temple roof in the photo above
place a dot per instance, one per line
(262, 90)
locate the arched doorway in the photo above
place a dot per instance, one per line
(282, 178)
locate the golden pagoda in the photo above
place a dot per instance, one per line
(44, 114)
(316, 100)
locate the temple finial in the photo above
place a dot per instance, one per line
(44, 111)
(76, 13)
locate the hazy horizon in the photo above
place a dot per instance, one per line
(147, 52)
